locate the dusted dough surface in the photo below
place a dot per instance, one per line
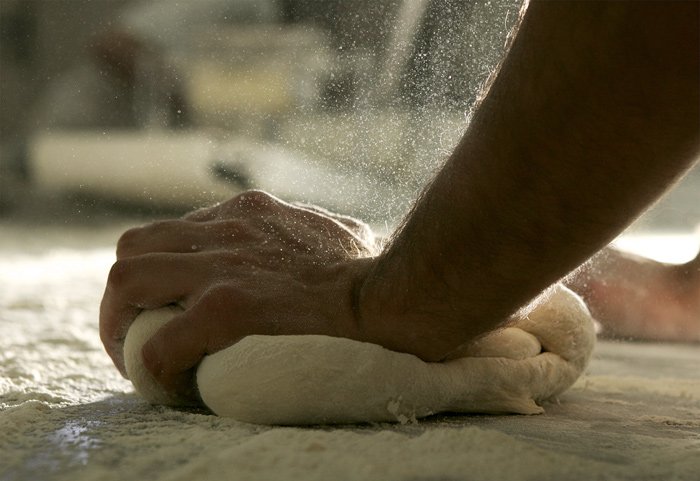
(290, 380)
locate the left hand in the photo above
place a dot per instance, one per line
(251, 265)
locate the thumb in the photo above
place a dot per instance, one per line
(173, 353)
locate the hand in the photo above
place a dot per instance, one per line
(251, 265)
(637, 297)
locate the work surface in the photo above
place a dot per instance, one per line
(65, 413)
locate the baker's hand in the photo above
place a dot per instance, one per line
(251, 265)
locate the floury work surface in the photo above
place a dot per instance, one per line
(65, 413)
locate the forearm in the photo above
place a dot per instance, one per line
(593, 114)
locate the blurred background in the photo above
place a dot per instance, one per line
(113, 108)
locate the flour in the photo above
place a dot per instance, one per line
(679, 388)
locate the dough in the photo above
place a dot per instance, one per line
(291, 380)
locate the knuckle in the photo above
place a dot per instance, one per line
(258, 200)
(128, 240)
(120, 273)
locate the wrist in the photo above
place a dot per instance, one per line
(342, 303)
(389, 314)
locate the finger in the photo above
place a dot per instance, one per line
(110, 320)
(172, 354)
(143, 282)
(183, 237)
(162, 236)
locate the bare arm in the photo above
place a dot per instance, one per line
(593, 115)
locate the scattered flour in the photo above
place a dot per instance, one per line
(677, 388)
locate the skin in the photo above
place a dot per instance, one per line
(639, 298)
(274, 267)
(593, 114)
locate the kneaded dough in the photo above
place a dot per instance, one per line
(294, 380)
